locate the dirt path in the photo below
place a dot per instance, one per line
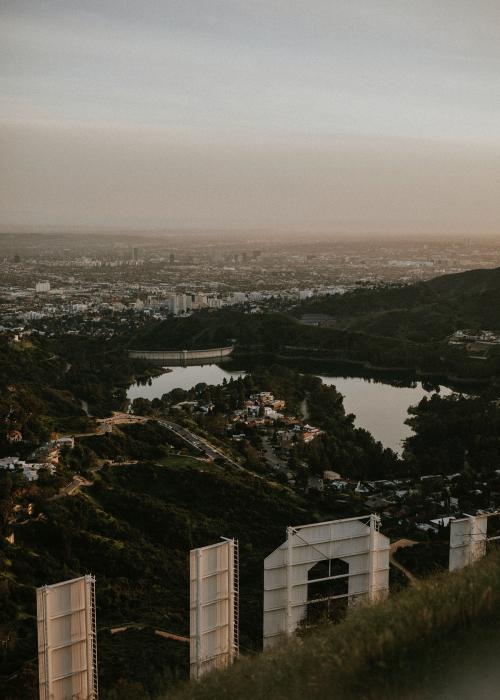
(400, 544)
(304, 409)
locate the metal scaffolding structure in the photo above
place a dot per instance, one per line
(351, 554)
(67, 645)
(214, 606)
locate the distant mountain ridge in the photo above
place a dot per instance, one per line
(422, 312)
(472, 281)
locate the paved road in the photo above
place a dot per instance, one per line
(193, 440)
(73, 486)
(199, 443)
(272, 458)
(189, 437)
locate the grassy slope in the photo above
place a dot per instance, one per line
(436, 641)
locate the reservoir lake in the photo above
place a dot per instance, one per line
(379, 407)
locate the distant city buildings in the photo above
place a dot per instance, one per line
(42, 287)
(94, 282)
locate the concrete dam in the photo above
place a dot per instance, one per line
(183, 357)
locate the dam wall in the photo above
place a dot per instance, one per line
(182, 356)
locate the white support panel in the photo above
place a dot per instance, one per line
(468, 538)
(213, 607)
(67, 654)
(353, 544)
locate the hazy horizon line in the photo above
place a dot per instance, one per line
(98, 229)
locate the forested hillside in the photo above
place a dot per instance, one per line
(133, 529)
(424, 312)
(50, 384)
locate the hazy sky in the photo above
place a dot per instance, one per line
(355, 115)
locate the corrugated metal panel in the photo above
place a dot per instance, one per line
(356, 542)
(467, 540)
(66, 640)
(213, 607)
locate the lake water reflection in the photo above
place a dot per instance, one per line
(183, 378)
(379, 407)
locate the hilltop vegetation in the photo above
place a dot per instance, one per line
(133, 528)
(433, 642)
(423, 312)
(34, 397)
(43, 382)
(454, 433)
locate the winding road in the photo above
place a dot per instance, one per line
(198, 443)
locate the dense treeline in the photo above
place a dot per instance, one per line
(353, 452)
(99, 372)
(134, 527)
(33, 396)
(422, 312)
(455, 433)
(281, 381)
(286, 338)
(43, 382)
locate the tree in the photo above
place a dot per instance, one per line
(127, 690)
(142, 407)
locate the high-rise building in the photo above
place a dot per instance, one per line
(214, 303)
(178, 303)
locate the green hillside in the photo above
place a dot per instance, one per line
(34, 396)
(43, 382)
(470, 281)
(437, 641)
(423, 312)
(403, 328)
(133, 529)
